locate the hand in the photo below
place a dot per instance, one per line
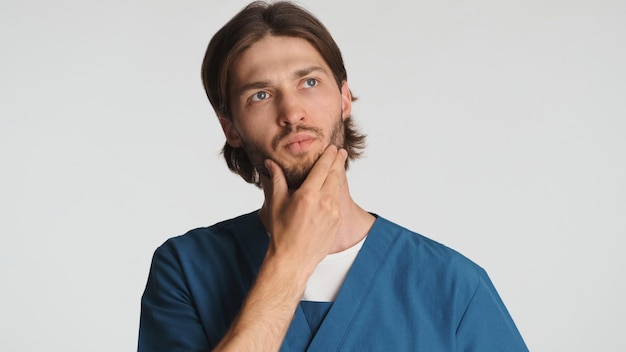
(303, 227)
(304, 224)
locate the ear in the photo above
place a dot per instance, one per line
(232, 135)
(346, 101)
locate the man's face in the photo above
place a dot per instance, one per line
(285, 105)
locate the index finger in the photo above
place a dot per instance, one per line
(320, 170)
(337, 173)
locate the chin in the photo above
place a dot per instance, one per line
(296, 174)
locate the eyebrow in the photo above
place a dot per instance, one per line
(305, 71)
(298, 74)
(253, 85)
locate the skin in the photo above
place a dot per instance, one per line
(296, 88)
(286, 107)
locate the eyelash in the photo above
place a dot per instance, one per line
(314, 82)
(255, 95)
(311, 79)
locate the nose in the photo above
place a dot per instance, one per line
(291, 111)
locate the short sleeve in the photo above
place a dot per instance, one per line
(486, 324)
(169, 321)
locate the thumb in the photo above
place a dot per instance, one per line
(279, 183)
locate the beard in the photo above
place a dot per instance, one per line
(294, 174)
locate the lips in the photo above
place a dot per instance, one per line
(299, 142)
(298, 138)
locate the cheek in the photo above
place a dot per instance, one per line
(330, 97)
(325, 106)
(256, 134)
(257, 120)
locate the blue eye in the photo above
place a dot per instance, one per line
(310, 82)
(258, 96)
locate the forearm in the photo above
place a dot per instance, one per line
(303, 226)
(268, 309)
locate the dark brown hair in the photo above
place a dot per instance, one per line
(251, 24)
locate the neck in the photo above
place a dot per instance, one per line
(355, 221)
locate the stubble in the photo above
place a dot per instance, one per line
(297, 173)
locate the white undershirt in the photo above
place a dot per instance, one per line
(324, 284)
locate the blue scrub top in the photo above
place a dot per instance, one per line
(404, 292)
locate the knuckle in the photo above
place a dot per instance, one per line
(307, 195)
(329, 204)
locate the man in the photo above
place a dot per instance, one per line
(310, 270)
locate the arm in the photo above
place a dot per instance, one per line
(303, 226)
(267, 311)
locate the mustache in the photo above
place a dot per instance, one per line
(287, 132)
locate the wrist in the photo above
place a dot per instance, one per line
(286, 271)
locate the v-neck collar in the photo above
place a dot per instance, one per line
(254, 241)
(350, 299)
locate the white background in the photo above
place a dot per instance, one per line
(495, 127)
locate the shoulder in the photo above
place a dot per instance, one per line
(423, 247)
(219, 238)
(221, 231)
(433, 281)
(426, 258)
(425, 268)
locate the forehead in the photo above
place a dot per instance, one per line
(274, 56)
